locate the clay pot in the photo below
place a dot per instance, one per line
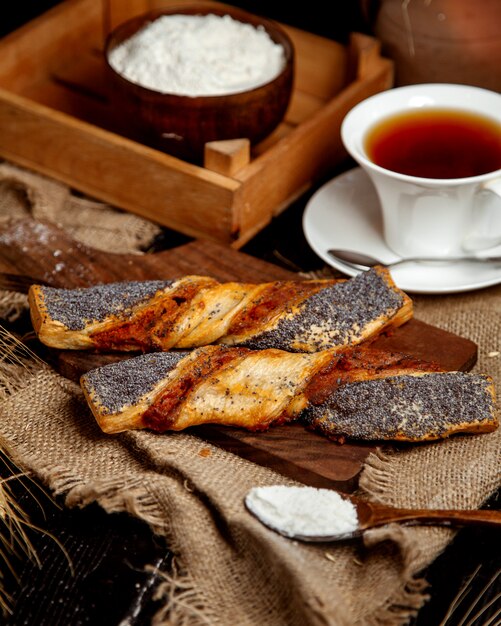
(455, 41)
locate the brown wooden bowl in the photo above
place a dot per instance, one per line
(181, 125)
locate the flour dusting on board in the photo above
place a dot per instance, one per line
(26, 236)
(198, 55)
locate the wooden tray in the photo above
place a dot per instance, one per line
(27, 247)
(55, 118)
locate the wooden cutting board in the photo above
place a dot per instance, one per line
(48, 254)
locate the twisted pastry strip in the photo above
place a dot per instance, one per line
(214, 384)
(298, 316)
(362, 394)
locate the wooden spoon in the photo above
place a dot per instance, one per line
(276, 507)
(371, 515)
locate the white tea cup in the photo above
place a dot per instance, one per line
(426, 215)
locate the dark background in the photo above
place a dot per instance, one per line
(111, 550)
(334, 20)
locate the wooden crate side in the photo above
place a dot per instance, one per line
(313, 147)
(185, 197)
(302, 106)
(75, 104)
(321, 64)
(80, 91)
(309, 152)
(117, 11)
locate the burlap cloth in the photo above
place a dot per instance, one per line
(228, 568)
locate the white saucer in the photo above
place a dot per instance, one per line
(344, 213)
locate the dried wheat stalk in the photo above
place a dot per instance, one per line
(17, 363)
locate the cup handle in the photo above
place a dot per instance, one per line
(479, 242)
(493, 185)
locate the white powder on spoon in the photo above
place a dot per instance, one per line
(303, 511)
(198, 55)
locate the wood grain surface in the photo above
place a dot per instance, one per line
(28, 247)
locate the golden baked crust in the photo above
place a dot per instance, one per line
(394, 398)
(298, 316)
(214, 384)
(110, 316)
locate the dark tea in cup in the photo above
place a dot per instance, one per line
(433, 154)
(436, 143)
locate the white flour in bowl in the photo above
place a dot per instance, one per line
(303, 511)
(198, 55)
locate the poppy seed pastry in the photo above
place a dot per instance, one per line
(393, 398)
(413, 406)
(194, 311)
(214, 384)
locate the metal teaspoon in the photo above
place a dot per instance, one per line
(370, 515)
(359, 260)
